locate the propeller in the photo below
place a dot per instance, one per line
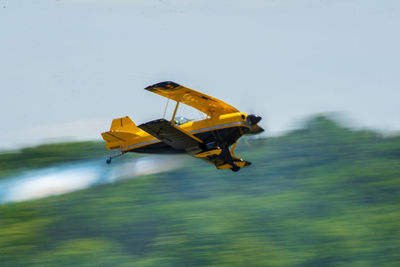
(252, 120)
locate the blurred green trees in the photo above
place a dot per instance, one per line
(49, 154)
(323, 195)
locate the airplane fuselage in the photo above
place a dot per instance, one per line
(212, 139)
(222, 131)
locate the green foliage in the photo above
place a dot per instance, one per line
(48, 155)
(84, 252)
(319, 196)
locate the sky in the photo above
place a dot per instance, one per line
(68, 67)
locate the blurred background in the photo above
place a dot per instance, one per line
(322, 195)
(324, 187)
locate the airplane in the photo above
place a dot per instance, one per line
(212, 139)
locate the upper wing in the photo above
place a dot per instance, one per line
(206, 104)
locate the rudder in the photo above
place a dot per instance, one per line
(121, 131)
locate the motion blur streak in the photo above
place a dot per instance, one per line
(68, 178)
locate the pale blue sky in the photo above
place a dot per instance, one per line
(68, 67)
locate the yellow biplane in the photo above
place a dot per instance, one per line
(212, 139)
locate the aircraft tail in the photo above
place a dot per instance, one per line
(122, 130)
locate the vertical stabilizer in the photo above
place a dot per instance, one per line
(121, 131)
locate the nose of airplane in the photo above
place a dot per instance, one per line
(253, 119)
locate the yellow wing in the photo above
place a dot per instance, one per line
(206, 104)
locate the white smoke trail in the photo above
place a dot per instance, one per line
(68, 178)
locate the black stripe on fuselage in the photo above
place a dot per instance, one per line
(226, 136)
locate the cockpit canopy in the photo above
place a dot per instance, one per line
(181, 120)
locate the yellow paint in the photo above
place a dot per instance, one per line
(225, 166)
(205, 103)
(208, 153)
(131, 134)
(125, 135)
(175, 110)
(240, 164)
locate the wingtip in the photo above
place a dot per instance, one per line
(166, 84)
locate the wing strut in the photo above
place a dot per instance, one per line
(176, 109)
(166, 107)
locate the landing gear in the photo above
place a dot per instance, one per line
(235, 168)
(108, 161)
